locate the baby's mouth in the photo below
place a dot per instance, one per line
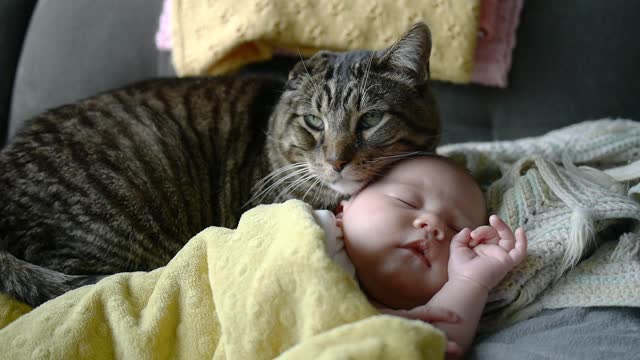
(420, 249)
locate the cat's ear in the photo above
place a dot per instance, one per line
(410, 55)
(311, 65)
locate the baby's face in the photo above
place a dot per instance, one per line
(398, 230)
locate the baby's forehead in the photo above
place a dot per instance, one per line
(429, 166)
(429, 173)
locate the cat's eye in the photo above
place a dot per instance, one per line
(369, 120)
(314, 122)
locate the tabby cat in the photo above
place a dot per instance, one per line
(121, 181)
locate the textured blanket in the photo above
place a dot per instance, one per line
(575, 191)
(265, 290)
(213, 37)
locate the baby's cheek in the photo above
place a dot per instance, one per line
(363, 231)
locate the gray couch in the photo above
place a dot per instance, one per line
(575, 60)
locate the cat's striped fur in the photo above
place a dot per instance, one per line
(119, 182)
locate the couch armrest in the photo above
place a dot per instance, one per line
(14, 16)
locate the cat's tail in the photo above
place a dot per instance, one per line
(33, 284)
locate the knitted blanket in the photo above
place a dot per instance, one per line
(213, 37)
(575, 191)
(264, 290)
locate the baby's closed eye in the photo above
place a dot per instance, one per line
(404, 198)
(405, 202)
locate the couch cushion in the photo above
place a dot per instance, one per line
(74, 49)
(574, 60)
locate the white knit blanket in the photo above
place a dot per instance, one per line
(575, 191)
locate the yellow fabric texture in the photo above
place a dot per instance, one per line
(264, 290)
(215, 37)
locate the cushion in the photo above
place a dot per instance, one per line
(75, 49)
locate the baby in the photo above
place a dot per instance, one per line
(417, 243)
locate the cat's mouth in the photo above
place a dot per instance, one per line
(345, 182)
(347, 187)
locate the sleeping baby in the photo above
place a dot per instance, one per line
(260, 291)
(416, 243)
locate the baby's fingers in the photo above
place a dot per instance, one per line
(483, 234)
(433, 314)
(519, 252)
(503, 230)
(461, 239)
(453, 349)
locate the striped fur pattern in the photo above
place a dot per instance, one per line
(119, 182)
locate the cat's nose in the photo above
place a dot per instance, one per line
(338, 165)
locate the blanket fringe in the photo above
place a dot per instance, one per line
(628, 247)
(581, 238)
(582, 229)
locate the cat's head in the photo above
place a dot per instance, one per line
(343, 117)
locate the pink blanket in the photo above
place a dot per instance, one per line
(496, 40)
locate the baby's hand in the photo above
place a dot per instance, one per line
(425, 313)
(430, 314)
(486, 254)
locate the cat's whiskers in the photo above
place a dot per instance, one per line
(312, 186)
(259, 190)
(318, 194)
(286, 192)
(398, 156)
(278, 171)
(277, 183)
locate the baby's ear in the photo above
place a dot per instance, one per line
(341, 207)
(339, 212)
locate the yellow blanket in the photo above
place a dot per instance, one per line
(264, 290)
(214, 37)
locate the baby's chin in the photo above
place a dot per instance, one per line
(399, 303)
(395, 297)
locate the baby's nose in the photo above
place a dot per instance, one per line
(432, 224)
